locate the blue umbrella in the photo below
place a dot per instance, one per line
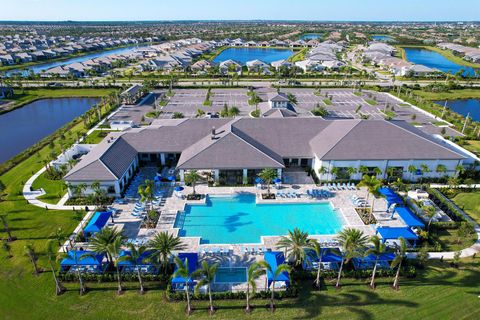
(277, 180)
(156, 179)
(258, 180)
(178, 188)
(171, 178)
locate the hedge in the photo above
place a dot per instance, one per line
(445, 205)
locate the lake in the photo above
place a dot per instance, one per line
(48, 65)
(23, 127)
(464, 107)
(242, 55)
(435, 60)
(382, 38)
(310, 36)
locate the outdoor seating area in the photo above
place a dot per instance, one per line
(128, 266)
(368, 262)
(96, 223)
(274, 259)
(179, 283)
(83, 261)
(319, 194)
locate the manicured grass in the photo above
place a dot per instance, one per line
(23, 97)
(371, 102)
(55, 189)
(96, 136)
(472, 145)
(299, 56)
(450, 95)
(470, 203)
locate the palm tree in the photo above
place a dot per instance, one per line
(275, 273)
(206, 275)
(372, 184)
(425, 169)
(146, 191)
(335, 171)
(32, 255)
(412, 170)
(77, 258)
(351, 171)
(114, 250)
(459, 169)
(322, 171)
(163, 245)
(183, 272)
(51, 253)
(363, 170)
(441, 169)
(295, 246)
(267, 175)
(430, 212)
(192, 178)
(103, 239)
(400, 255)
(317, 253)
(352, 242)
(136, 258)
(377, 250)
(253, 273)
(6, 227)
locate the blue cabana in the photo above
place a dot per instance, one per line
(391, 196)
(409, 217)
(331, 259)
(393, 233)
(274, 259)
(368, 262)
(171, 178)
(258, 180)
(88, 263)
(142, 263)
(178, 188)
(98, 221)
(277, 180)
(179, 282)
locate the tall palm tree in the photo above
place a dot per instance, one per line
(51, 254)
(363, 170)
(136, 258)
(412, 170)
(114, 250)
(103, 239)
(206, 275)
(147, 192)
(253, 273)
(377, 250)
(372, 184)
(351, 171)
(163, 245)
(32, 255)
(317, 253)
(192, 178)
(295, 245)
(77, 258)
(459, 169)
(267, 175)
(441, 168)
(183, 272)
(322, 171)
(6, 227)
(400, 255)
(425, 169)
(275, 273)
(352, 242)
(430, 212)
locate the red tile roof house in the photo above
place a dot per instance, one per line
(242, 147)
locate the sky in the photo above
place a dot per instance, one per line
(317, 10)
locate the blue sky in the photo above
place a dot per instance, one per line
(380, 10)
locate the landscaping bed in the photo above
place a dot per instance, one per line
(366, 216)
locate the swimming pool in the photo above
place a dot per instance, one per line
(231, 275)
(238, 219)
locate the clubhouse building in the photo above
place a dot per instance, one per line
(235, 150)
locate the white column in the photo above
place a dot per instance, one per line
(117, 188)
(216, 175)
(182, 175)
(279, 173)
(245, 176)
(162, 158)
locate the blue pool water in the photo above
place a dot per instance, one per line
(435, 60)
(228, 275)
(464, 107)
(238, 219)
(310, 36)
(242, 55)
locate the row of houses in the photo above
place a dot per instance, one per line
(468, 53)
(17, 50)
(323, 56)
(383, 55)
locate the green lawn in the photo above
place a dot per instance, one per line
(97, 136)
(450, 95)
(470, 203)
(371, 102)
(55, 189)
(472, 145)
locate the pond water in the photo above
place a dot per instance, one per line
(23, 127)
(464, 107)
(435, 60)
(382, 38)
(242, 55)
(48, 65)
(310, 36)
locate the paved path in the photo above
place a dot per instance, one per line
(32, 195)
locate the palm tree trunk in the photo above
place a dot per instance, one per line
(189, 309)
(317, 281)
(372, 283)
(339, 274)
(371, 210)
(140, 280)
(80, 280)
(120, 289)
(248, 297)
(272, 296)
(58, 286)
(210, 298)
(397, 276)
(35, 267)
